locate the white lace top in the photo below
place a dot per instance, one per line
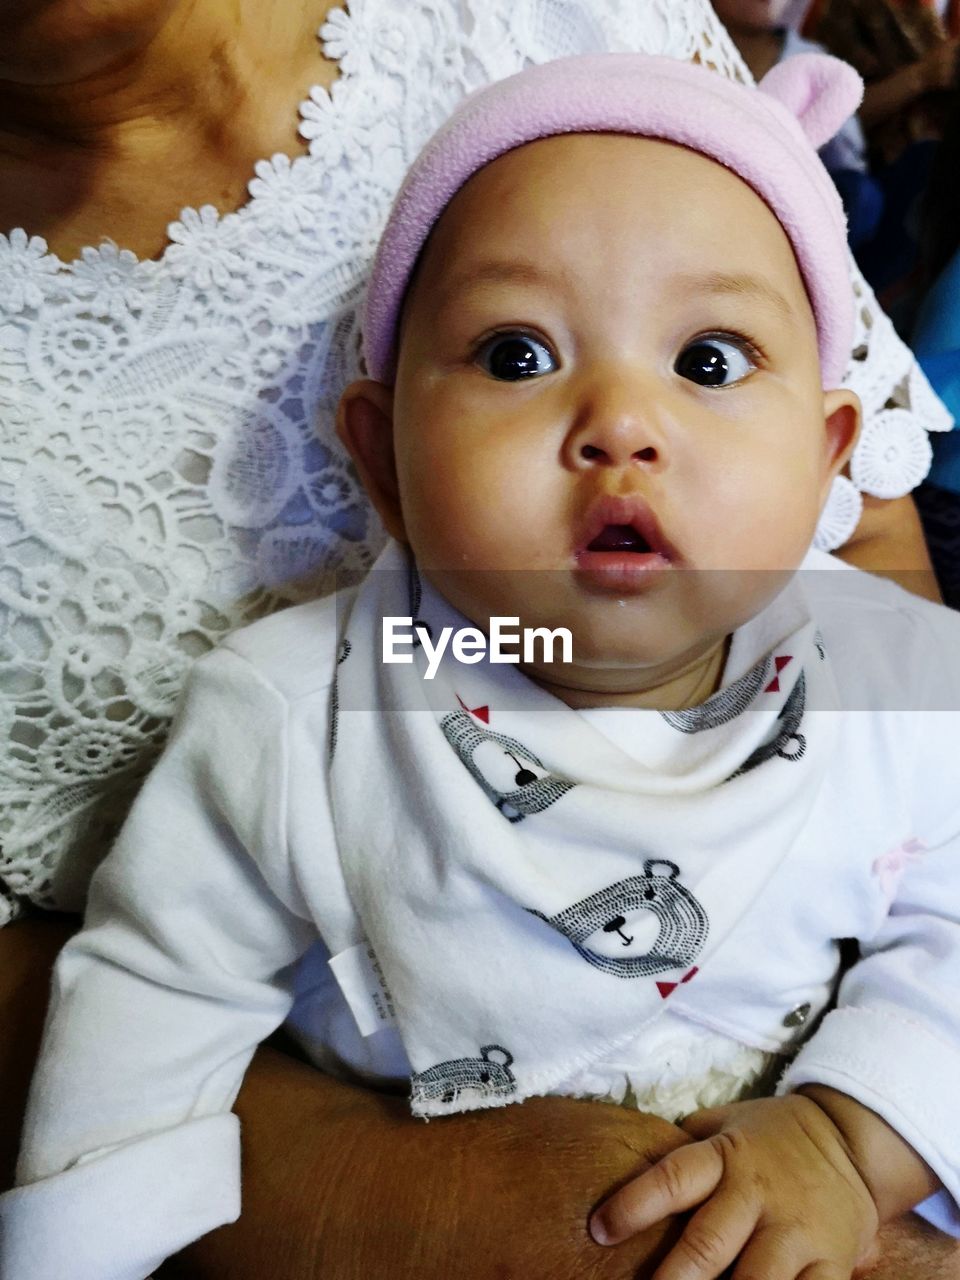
(168, 468)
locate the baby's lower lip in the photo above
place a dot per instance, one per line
(621, 572)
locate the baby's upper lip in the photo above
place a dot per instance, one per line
(610, 510)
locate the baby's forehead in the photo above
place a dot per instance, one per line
(576, 203)
(620, 172)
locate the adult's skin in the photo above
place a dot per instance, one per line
(96, 101)
(114, 116)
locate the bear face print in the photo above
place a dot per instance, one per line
(640, 926)
(488, 1076)
(514, 779)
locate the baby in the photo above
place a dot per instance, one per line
(599, 329)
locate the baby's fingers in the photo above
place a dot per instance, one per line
(681, 1180)
(782, 1253)
(712, 1240)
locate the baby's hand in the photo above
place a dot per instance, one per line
(777, 1189)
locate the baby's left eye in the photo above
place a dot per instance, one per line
(714, 362)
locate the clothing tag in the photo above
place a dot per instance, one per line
(358, 972)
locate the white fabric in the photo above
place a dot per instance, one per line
(194, 1187)
(230, 867)
(162, 479)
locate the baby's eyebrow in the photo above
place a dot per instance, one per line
(495, 271)
(748, 286)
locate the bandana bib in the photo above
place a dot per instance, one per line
(534, 892)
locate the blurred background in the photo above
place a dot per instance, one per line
(897, 167)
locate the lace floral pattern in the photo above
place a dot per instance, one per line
(899, 408)
(25, 270)
(168, 468)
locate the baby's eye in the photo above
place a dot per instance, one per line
(512, 356)
(714, 362)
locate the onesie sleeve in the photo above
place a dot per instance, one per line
(893, 1041)
(182, 968)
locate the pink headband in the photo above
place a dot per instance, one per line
(767, 135)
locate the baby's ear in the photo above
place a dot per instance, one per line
(842, 413)
(820, 91)
(365, 425)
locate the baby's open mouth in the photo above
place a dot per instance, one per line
(620, 537)
(621, 545)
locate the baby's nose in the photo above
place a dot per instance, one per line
(616, 427)
(616, 455)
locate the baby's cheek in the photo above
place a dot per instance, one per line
(772, 514)
(495, 518)
(450, 529)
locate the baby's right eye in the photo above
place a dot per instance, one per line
(512, 356)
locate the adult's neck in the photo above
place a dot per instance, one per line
(75, 74)
(760, 49)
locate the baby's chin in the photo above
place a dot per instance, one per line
(669, 687)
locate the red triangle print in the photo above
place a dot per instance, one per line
(482, 713)
(780, 661)
(667, 988)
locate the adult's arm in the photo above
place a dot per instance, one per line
(889, 541)
(342, 1182)
(339, 1181)
(935, 70)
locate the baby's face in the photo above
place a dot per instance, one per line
(608, 401)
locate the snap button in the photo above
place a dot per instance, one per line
(798, 1016)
